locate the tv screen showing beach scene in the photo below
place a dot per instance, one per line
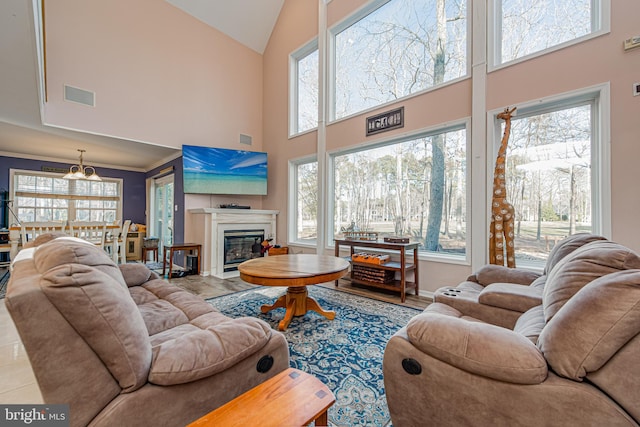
(208, 170)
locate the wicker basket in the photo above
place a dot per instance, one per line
(375, 275)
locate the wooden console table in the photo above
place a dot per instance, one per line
(401, 266)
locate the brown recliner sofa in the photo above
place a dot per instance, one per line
(500, 295)
(571, 361)
(123, 347)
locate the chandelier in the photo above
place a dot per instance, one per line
(82, 172)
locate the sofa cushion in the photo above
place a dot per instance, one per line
(530, 324)
(583, 265)
(102, 312)
(568, 245)
(510, 296)
(193, 352)
(135, 274)
(71, 250)
(490, 273)
(593, 325)
(165, 306)
(480, 348)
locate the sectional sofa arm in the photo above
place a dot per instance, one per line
(479, 348)
(201, 352)
(491, 273)
(511, 296)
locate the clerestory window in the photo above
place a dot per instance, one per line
(397, 48)
(524, 28)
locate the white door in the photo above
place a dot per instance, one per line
(161, 212)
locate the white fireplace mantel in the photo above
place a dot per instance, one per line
(208, 227)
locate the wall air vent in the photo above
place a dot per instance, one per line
(80, 96)
(245, 139)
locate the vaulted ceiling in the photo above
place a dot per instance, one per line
(21, 131)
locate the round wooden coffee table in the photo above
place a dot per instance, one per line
(295, 272)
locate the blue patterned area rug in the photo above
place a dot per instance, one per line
(344, 353)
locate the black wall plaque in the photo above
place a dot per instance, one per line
(385, 121)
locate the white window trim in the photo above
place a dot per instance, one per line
(383, 141)
(292, 209)
(294, 59)
(601, 149)
(602, 14)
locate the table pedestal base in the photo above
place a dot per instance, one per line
(297, 302)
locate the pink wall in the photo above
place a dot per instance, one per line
(592, 62)
(160, 76)
(296, 25)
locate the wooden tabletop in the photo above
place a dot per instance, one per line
(293, 270)
(291, 398)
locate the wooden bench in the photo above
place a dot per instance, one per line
(291, 398)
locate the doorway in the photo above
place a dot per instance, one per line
(161, 210)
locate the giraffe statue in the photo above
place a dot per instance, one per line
(501, 233)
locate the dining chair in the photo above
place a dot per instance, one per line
(31, 230)
(122, 242)
(91, 231)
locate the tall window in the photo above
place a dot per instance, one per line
(525, 27)
(41, 196)
(550, 174)
(403, 47)
(305, 180)
(414, 187)
(304, 102)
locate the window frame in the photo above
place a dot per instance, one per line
(294, 90)
(292, 231)
(600, 24)
(71, 211)
(423, 255)
(599, 97)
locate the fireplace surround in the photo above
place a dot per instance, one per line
(208, 226)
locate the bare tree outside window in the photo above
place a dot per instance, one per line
(403, 47)
(527, 27)
(389, 190)
(307, 202)
(549, 178)
(307, 68)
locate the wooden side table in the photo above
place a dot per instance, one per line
(179, 247)
(291, 398)
(154, 254)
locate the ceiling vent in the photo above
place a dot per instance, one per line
(80, 96)
(245, 139)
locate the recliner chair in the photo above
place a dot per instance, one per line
(571, 361)
(499, 295)
(123, 347)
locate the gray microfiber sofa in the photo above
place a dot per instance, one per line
(123, 347)
(570, 361)
(500, 295)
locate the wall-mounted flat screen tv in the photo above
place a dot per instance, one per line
(208, 170)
